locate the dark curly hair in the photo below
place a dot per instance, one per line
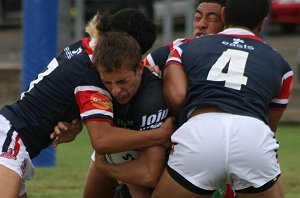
(221, 2)
(133, 22)
(246, 13)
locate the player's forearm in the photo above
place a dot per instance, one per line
(133, 140)
(131, 172)
(106, 138)
(128, 174)
(274, 118)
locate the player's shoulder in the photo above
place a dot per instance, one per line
(74, 54)
(178, 42)
(149, 78)
(77, 49)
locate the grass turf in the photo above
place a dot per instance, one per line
(67, 178)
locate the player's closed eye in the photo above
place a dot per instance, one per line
(197, 16)
(209, 17)
(212, 17)
(122, 82)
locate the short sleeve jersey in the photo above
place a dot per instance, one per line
(235, 71)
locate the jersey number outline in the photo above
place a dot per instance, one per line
(234, 78)
(50, 68)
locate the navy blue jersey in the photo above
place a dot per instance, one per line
(51, 97)
(238, 73)
(70, 87)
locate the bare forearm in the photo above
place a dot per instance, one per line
(106, 138)
(127, 173)
(144, 171)
(274, 119)
(122, 140)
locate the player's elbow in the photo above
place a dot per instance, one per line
(177, 98)
(152, 176)
(102, 147)
(150, 180)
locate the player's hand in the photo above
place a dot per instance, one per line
(155, 69)
(66, 131)
(168, 127)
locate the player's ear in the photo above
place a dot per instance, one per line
(223, 12)
(140, 68)
(261, 26)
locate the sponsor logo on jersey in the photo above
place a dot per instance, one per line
(238, 43)
(70, 54)
(101, 101)
(154, 120)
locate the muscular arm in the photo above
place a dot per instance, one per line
(144, 171)
(106, 138)
(175, 87)
(274, 119)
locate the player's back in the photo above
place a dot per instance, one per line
(239, 74)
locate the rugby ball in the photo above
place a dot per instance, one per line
(117, 158)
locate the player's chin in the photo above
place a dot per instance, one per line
(123, 100)
(197, 34)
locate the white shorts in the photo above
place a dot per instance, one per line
(13, 154)
(214, 147)
(93, 156)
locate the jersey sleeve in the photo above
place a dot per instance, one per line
(175, 57)
(280, 101)
(93, 100)
(160, 56)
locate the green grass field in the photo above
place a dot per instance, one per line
(67, 178)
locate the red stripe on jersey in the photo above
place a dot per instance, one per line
(86, 45)
(100, 104)
(174, 59)
(98, 119)
(244, 36)
(173, 63)
(146, 62)
(178, 42)
(286, 88)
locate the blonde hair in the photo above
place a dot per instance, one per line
(92, 26)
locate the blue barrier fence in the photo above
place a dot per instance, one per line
(39, 47)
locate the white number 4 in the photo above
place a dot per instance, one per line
(234, 78)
